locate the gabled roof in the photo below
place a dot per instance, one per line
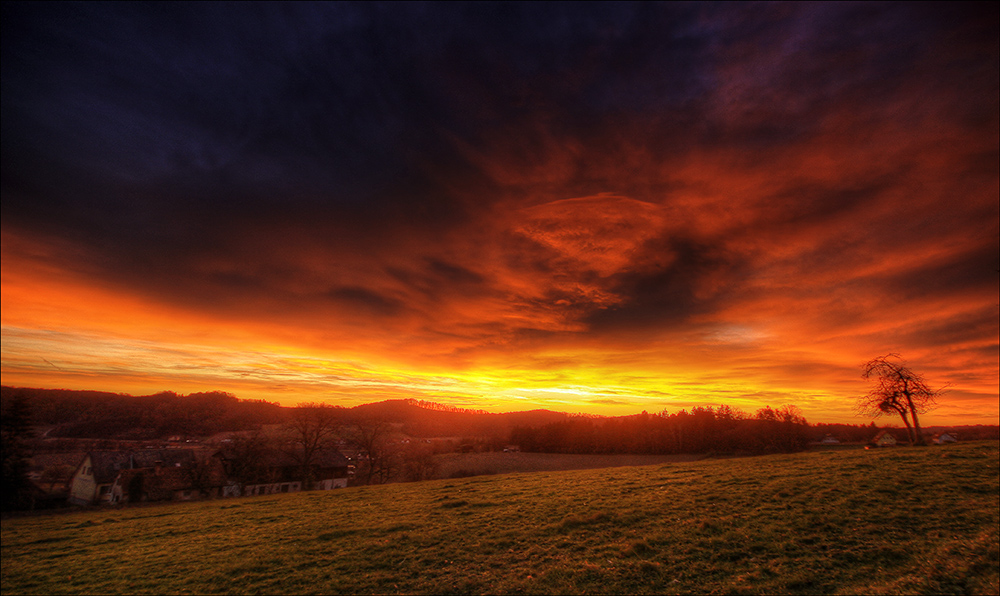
(156, 486)
(885, 434)
(158, 483)
(41, 461)
(108, 464)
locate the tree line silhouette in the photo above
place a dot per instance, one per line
(702, 430)
(104, 415)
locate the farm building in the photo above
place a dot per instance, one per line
(192, 481)
(944, 438)
(112, 477)
(92, 481)
(884, 439)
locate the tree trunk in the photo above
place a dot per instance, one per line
(916, 423)
(909, 428)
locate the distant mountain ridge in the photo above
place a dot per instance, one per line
(420, 421)
(102, 414)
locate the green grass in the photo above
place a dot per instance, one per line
(903, 520)
(451, 465)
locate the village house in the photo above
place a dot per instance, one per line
(198, 479)
(92, 481)
(884, 439)
(113, 477)
(944, 438)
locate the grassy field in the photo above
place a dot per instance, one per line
(908, 520)
(493, 462)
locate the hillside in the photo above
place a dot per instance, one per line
(104, 415)
(425, 419)
(904, 520)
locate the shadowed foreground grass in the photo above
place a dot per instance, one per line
(452, 465)
(908, 520)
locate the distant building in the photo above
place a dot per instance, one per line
(92, 481)
(944, 438)
(198, 479)
(829, 440)
(884, 439)
(113, 477)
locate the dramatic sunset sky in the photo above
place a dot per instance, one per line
(601, 208)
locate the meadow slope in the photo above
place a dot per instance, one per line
(907, 520)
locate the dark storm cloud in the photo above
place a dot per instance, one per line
(211, 153)
(367, 299)
(268, 103)
(960, 331)
(167, 109)
(156, 134)
(452, 273)
(125, 76)
(974, 272)
(685, 277)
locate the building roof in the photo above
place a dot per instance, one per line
(159, 482)
(108, 464)
(886, 435)
(43, 461)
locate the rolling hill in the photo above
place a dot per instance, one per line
(892, 521)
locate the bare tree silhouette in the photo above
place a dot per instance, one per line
(312, 427)
(373, 437)
(897, 390)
